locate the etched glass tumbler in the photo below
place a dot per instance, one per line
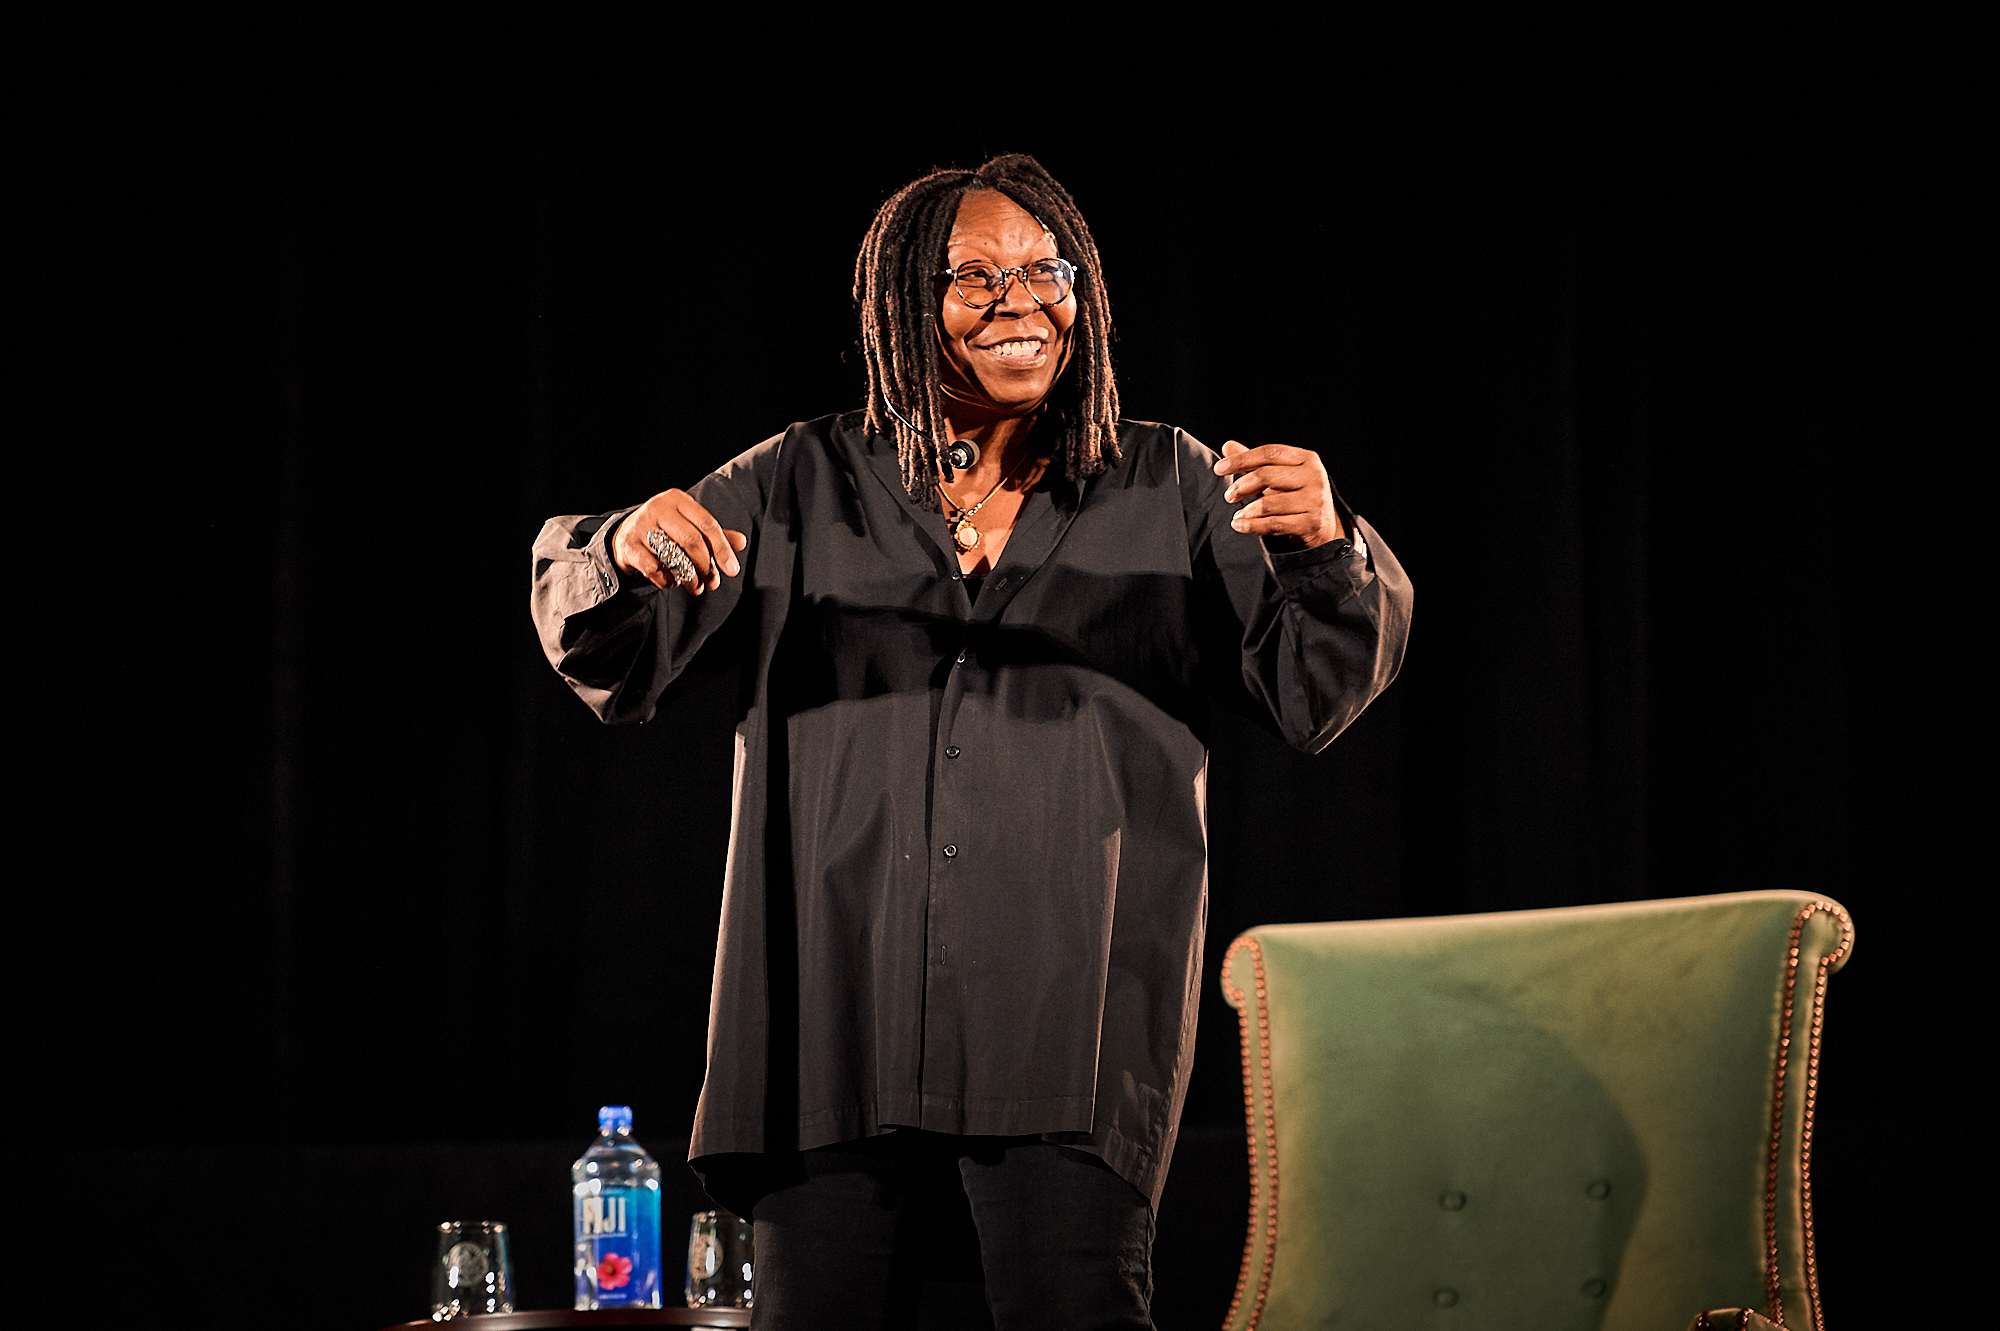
(722, 1261)
(474, 1271)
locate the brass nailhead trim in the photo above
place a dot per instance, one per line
(1238, 1001)
(1772, 1290)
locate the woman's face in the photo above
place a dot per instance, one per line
(1005, 356)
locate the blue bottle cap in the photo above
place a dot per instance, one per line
(614, 1118)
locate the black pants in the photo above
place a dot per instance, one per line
(919, 1229)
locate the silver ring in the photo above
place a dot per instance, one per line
(674, 559)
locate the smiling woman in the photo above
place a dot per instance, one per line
(998, 332)
(980, 625)
(937, 327)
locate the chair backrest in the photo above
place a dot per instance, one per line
(1581, 1118)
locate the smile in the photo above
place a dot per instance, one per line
(1022, 351)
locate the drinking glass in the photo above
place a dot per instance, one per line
(474, 1271)
(721, 1261)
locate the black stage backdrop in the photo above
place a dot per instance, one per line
(1646, 375)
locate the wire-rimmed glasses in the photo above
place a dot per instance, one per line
(980, 284)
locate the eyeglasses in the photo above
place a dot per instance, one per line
(980, 284)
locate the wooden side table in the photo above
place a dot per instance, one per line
(564, 1317)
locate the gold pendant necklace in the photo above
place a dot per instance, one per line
(963, 534)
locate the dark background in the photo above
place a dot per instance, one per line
(1648, 360)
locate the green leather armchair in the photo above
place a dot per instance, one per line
(1598, 1117)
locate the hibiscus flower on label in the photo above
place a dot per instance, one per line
(614, 1272)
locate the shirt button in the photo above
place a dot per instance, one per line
(950, 852)
(951, 751)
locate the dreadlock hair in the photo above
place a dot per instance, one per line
(895, 287)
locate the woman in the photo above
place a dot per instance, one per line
(981, 624)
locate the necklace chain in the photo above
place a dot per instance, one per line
(963, 534)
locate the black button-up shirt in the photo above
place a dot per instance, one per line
(967, 876)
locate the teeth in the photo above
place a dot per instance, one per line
(1019, 350)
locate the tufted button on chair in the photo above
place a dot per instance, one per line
(1598, 1117)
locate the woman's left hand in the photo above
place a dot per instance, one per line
(1288, 491)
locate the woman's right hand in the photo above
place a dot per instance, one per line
(710, 547)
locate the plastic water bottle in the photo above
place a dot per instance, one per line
(615, 1188)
